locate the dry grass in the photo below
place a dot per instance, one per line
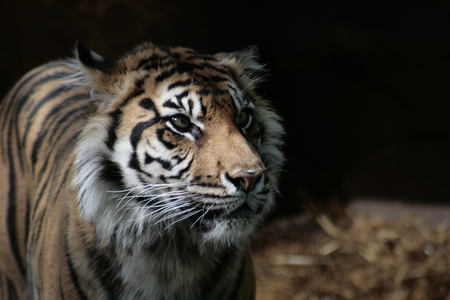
(301, 258)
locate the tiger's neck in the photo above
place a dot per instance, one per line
(172, 266)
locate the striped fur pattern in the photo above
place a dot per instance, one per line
(137, 178)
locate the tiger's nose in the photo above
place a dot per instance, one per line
(246, 181)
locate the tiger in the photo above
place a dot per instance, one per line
(141, 177)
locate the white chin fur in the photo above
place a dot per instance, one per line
(228, 233)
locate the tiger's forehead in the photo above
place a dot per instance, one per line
(183, 80)
(197, 98)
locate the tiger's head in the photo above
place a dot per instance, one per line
(176, 141)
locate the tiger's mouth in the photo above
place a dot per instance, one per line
(242, 213)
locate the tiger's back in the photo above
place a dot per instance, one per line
(138, 178)
(40, 121)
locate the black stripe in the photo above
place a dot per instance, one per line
(48, 97)
(75, 115)
(73, 273)
(204, 57)
(203, 92)
(136, 93)
(27, 214)
(216, 196)
(37, 222)
(106, 271)
(148, 104)
(180, 69)
(233, 102)
(181, 96)
(212, 79)
(143, 62)
(156, 66)
(232, 88)
(53, 137)
(11, 213)
(20, 103)
(219, 70)
(167, 64)
(215, 91)
(140, 127)
(175, 55)
(12, 104)
(55, 170)
(116, 117)
(188, 67)
(37, 143)
(148, 159)
(140, 82)
(111, 173)
(136, 133)
(204, 184)
(40, 280)
(202, 107)
(191, 106)
(154, 58)
(179, 159)
(180, 83)
(64, 104)
(61, 293)
(166, 164)
(12, 293)
(166, 74)
(170, 104)
(182, 171)
(160, 135)
(7, 290)
(113, 241)
(41, 81)
(134, 162)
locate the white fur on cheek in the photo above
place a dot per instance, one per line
(88, 164)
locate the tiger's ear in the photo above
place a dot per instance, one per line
(98, 74)
(245, 65)
(92, 60)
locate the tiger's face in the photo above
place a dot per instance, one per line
(185, 143)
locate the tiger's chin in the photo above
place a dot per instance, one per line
(229, 229)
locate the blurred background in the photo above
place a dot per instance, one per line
(363, 87)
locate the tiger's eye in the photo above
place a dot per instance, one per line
(181, 122)
(244, 119)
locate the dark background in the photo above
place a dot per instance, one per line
(363, 87)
